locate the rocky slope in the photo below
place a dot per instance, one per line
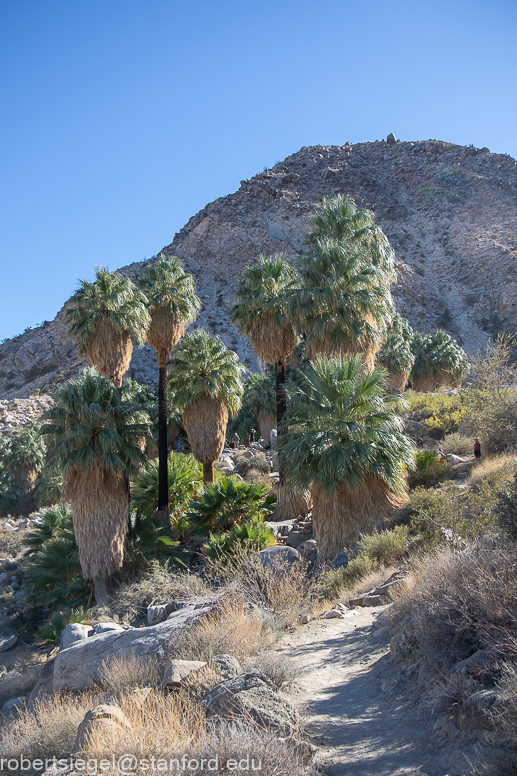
(449, 211)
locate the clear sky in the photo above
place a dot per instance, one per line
(120, 119)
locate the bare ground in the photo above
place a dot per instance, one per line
(362, 711)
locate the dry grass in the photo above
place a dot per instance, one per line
(109, 350)
(161, 726)
(10, 543)
(156, 586)
(120, 674)
(232, 629)
(275, 665)
(437, 379)
(492, 465)
(47, 731)
(205, 423)
(458, 444)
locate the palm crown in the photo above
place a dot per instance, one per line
(111, 296)
(203, 366)
(345, 430)
(438, 352)
(260, 308)
(92, 425)
(172, 301)
(396, 354)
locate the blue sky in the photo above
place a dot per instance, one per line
(120, 119)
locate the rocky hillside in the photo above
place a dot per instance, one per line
(449, 211)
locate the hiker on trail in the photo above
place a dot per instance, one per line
(477, 448)
(251, 437)
(235, 440)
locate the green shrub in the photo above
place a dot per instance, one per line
(439, 413)
(425, 461)
(258, 463)
(384, 547)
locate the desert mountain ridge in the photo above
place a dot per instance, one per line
(449, 211)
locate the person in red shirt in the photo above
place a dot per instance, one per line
(477, 448)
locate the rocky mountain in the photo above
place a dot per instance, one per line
(449, 211)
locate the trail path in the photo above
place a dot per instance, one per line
(356, 705)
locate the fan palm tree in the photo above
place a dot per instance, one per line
(26, 461)
(173, 305)
(104, 316)
(396, 355)
(439, 360)
(347, 446)
(205, 381)
(340, 219)
(94, 438)
(344, 305)
(260, 312)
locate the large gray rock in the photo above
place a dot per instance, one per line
(106, 716)
(176, 671)
(252, 696)
(78, 667)
(8, 643)
(296, 538)
(227, 665)
(13, 703)
(277, 557)
(74, 632)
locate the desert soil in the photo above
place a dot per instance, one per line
(359, 708)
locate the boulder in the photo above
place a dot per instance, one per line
(277, 557)
(108, 627)
(480, 665)
(227, 665)
(391, 139)
(178, 670)
(452, 460)
(296, 538)
(8, 643)
(74, 632)
(332, 614)
(78, 667)
(44, 685)
(13, 703)
(341, 561)
(156, 614)
(252, 696)
(105, 716)
(308, 549)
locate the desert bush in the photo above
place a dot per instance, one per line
(458, 444)
(491, 399)
(157, 584)
(185, 480)
(277, 666)
(10, 542)
(385, 547)
(506, 510)
(426, 460)
(439, 413)
(258, 463)
(456, 603)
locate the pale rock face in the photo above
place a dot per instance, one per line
(449, 211)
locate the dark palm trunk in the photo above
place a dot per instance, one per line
(101, 592)
(208, 472)
(281, 406)
(163, 477)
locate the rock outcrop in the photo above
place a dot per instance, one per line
(449, 211)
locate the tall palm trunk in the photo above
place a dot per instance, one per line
(163, 478)
(281, 405)
(208, 473)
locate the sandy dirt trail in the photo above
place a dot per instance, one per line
(357, 711)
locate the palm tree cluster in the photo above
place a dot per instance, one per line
(439, 360)
(396, 355)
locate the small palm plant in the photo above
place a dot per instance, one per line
(94, 437)
(205, 380)
(396, 355)
(439, 360)
(227, 502)
(105, 315)
(347, 446)
(173, 304)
